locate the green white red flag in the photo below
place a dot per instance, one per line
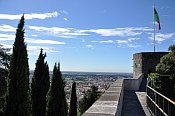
(156, 18)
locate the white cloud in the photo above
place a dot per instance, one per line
(133, 46)
(34, 35)
(121, 32)
(38, 48)
(143, 29)
(29, 16)
(7, 46)
(161, 37)
(34, 50)
(63, 12)
(7, 28)
(89, 46)
(52, 29)
(65, 19)
(113, 32)
(133, 39)
(58, 32)
(107, 41)
(8, 37)
(64, 36)
(42, 41)
(121, 41)
(127, 43)
(72, 33)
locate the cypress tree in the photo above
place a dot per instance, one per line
(57, 105)
(89, 98)
(73, 101)
(83, 104)
(18, 79)
(40, 86)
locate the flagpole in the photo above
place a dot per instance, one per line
(154, 30)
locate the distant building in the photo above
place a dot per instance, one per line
(146, 62)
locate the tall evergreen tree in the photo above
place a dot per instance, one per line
(83, 104)
(57, 105)
(40, 86)
(89, 98)
(18, 79)
(73, 101)
(4, 68)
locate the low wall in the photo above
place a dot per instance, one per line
(110, 103)
(133, 83)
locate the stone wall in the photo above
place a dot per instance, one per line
(145, 62)
(133, 83)
(110, 103)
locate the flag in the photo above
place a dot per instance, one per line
(156, 18)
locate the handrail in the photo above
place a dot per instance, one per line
(157, 106)
(157, 103)
(162, 95)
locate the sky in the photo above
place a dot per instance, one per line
(88, 35)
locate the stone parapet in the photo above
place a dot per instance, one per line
(133, 83)
(110, 103)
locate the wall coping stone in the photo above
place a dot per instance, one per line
(108, 103)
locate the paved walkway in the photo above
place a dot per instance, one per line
(134, 104)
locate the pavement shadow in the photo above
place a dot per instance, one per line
(131, 104)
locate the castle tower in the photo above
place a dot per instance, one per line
(146, 62)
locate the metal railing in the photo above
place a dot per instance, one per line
(158, 104)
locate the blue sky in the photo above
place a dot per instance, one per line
(88, 35)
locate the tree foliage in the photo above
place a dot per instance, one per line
(89, 98)
(4, 67)
(166, 67)
(40, 86)
(73, 101)
(18, 79)
(172, 48)
(4, 58)
(57, 105)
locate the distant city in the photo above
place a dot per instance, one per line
(84, 80)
